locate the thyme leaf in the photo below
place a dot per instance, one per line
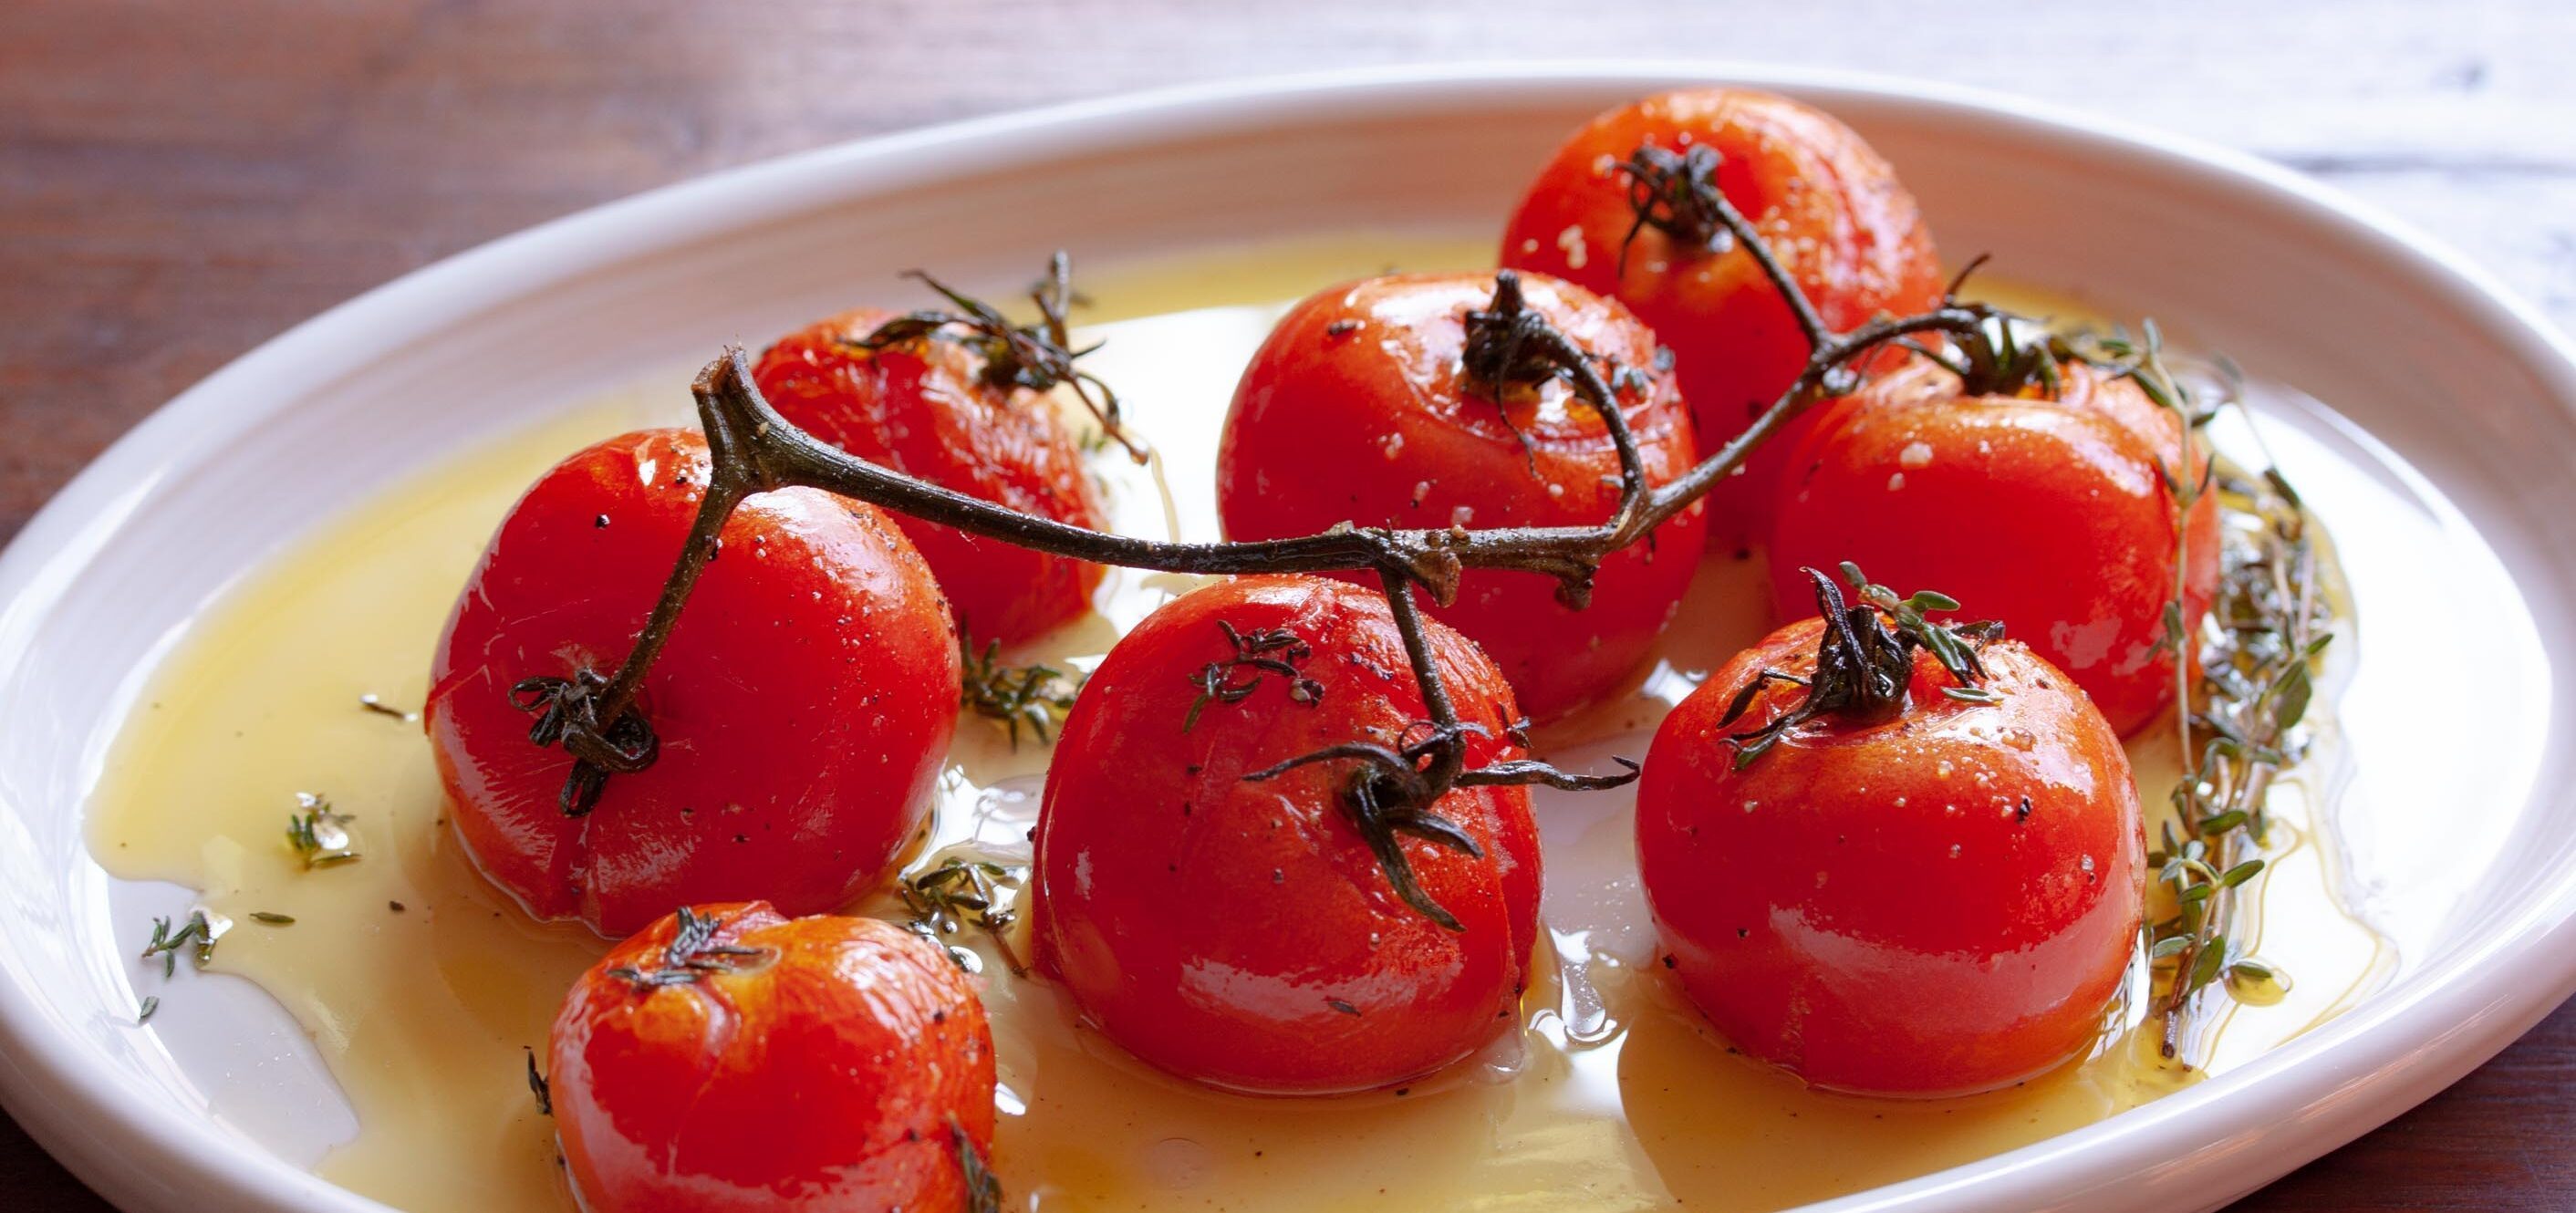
(196, 935)
(319, 833)
(692, 954)
(1035, 697)
(960, 892)
(1233, 679)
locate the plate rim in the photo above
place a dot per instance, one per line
(2398, 1050)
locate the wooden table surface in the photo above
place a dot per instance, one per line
(180, 181)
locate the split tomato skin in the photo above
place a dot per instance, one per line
(2052, 516)
(803, 703)
(1357, 408)
(922, 407)
(1827, 205)
(1241, 934)
(1939, 904)
(826, 1063)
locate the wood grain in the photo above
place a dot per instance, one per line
(180, 181)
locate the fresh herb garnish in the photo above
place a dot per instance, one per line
(272, 919)
(692, 954)
(983, 1188)
(959, 892)
(1234, 679)
(143, 1015)
(538, 1086)
(318, 833)
(197, 934)
(1034, 696)
(2258, 651)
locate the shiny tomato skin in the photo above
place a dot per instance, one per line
(1939, 904)
(1357, 409)
(922, 408)
(1210, 924)
(1828, 206)
(2051, 516)
(803, 703)
(825, 1074)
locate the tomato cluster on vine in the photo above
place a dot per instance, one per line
(1287, 843)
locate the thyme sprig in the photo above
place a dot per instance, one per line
(692, 954)
(1865, 660)
(2259, 651)
(320, 833)
(1233, 679)
(983, 1188)
(1035, 696)
(196, 936)
(1037, 357)
(961, 892)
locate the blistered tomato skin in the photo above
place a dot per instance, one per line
(803, 703)
(1241, 934)
(1357, 409)
(922, 408)
(2050, 515)
(815, 1063)
(1827, 206)
(1942, 903)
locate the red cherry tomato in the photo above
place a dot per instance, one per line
(1359, 409)
(1241, 933)
(923, 408)
(2050, 515)
(1937, 902)
(729, 1059)
(803, 704)
(1829, 208)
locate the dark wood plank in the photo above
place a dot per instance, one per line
(180, 181)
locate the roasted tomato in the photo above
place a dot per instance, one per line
(731, 1059)
(925, 407)
(1827, 206)
(802, 706)
(1361, 408)
(1877, 884)
(1242, 932)
(2051, 515)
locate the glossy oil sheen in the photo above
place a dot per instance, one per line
(1610, 1095)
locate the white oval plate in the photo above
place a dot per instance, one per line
(2422, 351)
